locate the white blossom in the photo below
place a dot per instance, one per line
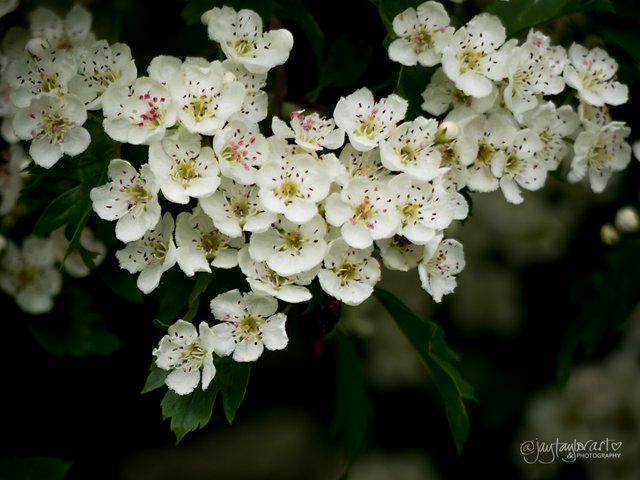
(249, 323)
(425, 208)
(349, 274)
(29, 274)
(357, 164)
(498, 131)
(262, 279)
(289, 248)
(138, 114)
(185, 353)
(411, 149)
(182, 167)
(39, 72)
(398, 253)
(54, 126)
(236, 208)
(312, 132)
(151, 256)
(591, 73)
(129, 197)
(293, 186)
(554, 126)
(366, 121)
(241, 38)
(255, 105)
(529, 75)
(519, 166)
(69, 33)
(99, 66)
(365, 211)
(423, 33)
(472, 59)
(205, 93)
(600, 152)
(202, 246)
(241, 149)
(441, 96)
(443, 260)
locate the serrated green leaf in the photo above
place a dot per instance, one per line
(34, 468)
(616, 292)
(60, 211)
(520, 15)
(193, 411)
(429, 341)
(352, 410)
(155, 379)
(232, 379)
(188, 412)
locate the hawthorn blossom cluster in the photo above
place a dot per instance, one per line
(500, 95)
(320, 200)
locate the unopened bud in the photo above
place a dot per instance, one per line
(609, 234)
(228, 77)
(447, 132)
(627, 220)
(636, 149)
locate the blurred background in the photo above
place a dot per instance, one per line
(71, 389)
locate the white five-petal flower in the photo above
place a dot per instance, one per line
(185, 353)
(349, 274)
(138, 114)
(129, 197)
(183, 168)
(312, 132)
(241, 38)
(289, 248)
(443, 260)
(202, 246)
(249, 323)
(365, 211)
(29, 274)
(241, 149)
(591, 73)
(472, 59)
(366, 121)
(423, 33)
(151, 256)
(54, 124)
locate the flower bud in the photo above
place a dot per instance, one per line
(627, 220)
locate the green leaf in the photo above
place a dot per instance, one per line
(188, 412)
(34, 468)
(60, 211)
(202, 282)
(193, 411)
(352, 411)
(346, 62)
(232, 379)
(428, 339)
(520, 15)
(155, 379)
(122, 283)
(615, 295)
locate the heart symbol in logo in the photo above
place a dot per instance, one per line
(615, 446)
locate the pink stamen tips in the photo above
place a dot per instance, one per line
(32, 115)
(537, 43)
(370, 226)
(227, 316)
